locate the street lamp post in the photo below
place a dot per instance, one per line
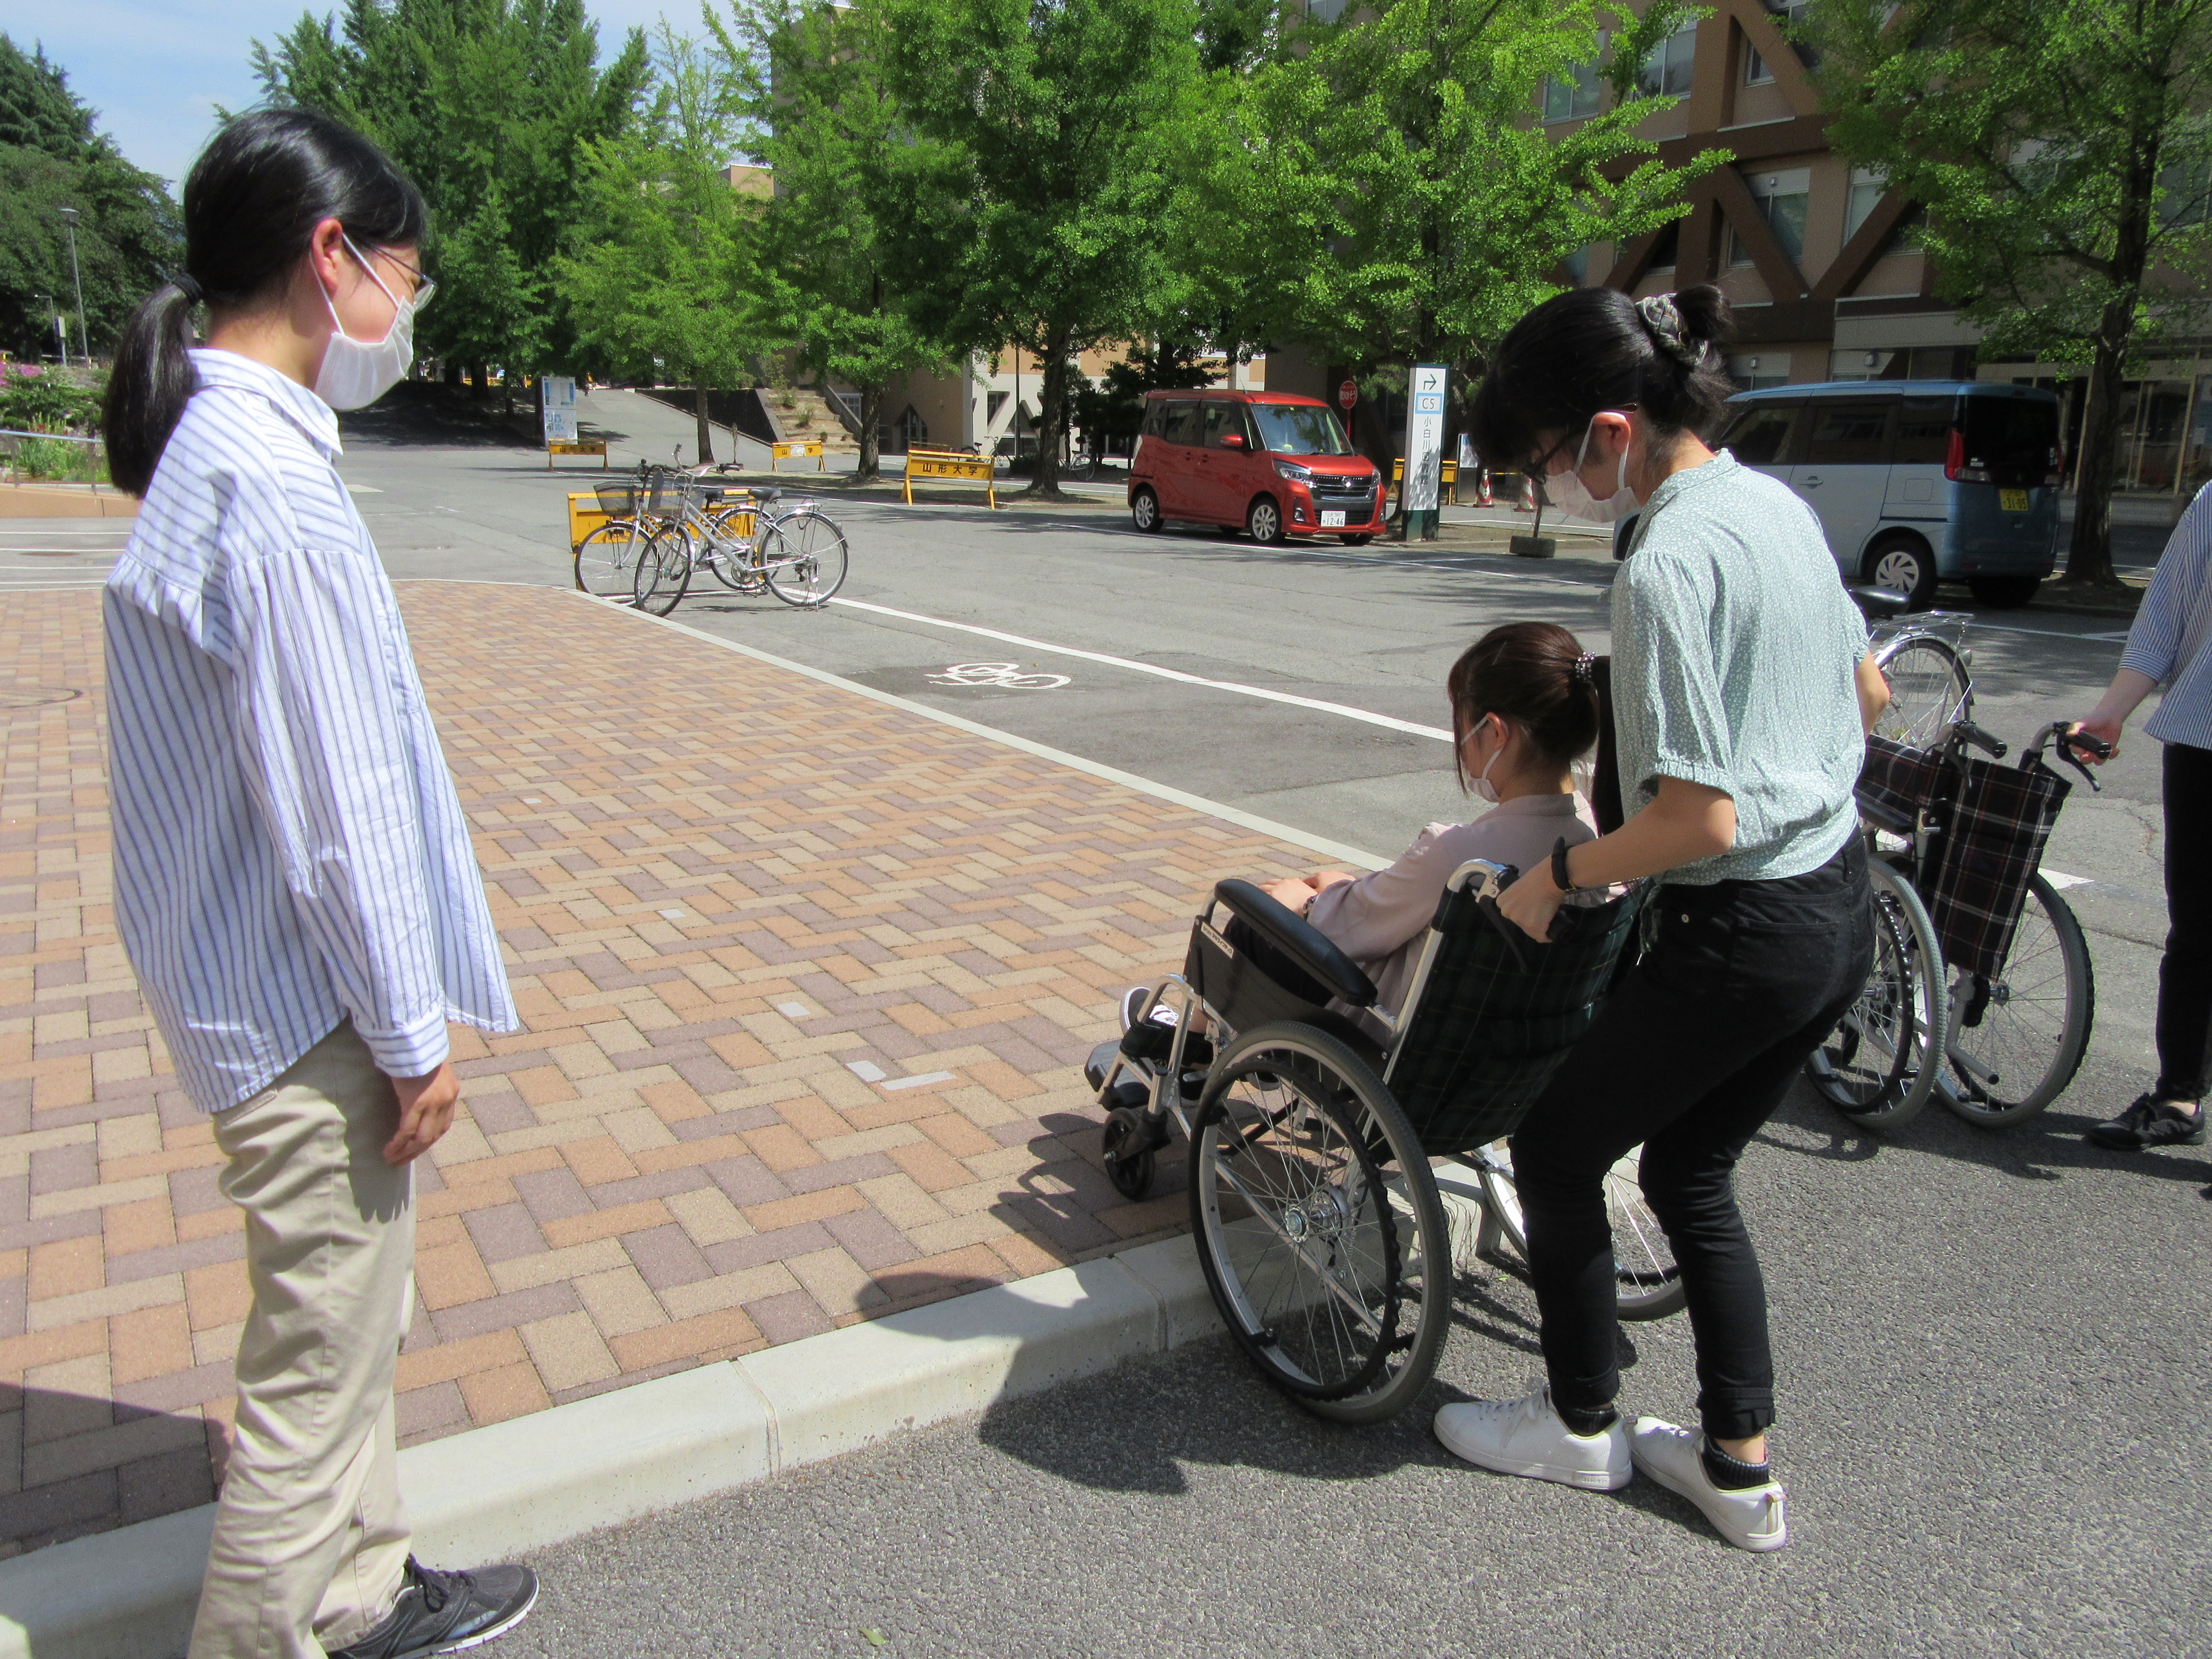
(68, 218)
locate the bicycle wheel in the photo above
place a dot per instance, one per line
(606, 561)
(1929, 691)
(1319, 1224)
(664, 571)
(1648, 1283)
(2016, 1040)
(803, 557)
(736, 567)
(1874, 1067)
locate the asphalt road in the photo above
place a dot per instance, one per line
(1992, 1348)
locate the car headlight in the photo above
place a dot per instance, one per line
(1293, 471)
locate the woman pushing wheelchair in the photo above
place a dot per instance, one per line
(1742, 691)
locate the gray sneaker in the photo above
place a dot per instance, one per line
(445, 1612)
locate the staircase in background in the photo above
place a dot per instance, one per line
(800, 414)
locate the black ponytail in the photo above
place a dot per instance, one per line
(1593, 348)
(251, 203)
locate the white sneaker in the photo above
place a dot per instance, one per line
(1134, 998)
(1526, 1437)
(1753, 1518)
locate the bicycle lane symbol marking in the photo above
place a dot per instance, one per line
(1007, 676)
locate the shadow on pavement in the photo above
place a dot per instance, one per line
(415, 413)
(2046, 1148)
(72, 1464)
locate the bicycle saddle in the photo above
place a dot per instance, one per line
(768, 495)
(1878, 603)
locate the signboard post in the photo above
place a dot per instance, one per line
(559, 397)
(1425, 448)
(1348, 394)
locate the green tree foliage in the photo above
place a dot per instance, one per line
(1036, 214)
(490, 106)
(1381, 189)
(127, 236)
(668, 264)
(811, 82)
(1116, 409)
(2063, 151)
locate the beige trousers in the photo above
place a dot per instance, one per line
(310, 1538)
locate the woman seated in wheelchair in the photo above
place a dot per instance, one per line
(1524, 708)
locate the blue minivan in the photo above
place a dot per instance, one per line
(1916, 482)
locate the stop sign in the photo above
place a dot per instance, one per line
(1348, 394)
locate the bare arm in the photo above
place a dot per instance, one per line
(1873, 691)
(2128, 688)
(1686, 822)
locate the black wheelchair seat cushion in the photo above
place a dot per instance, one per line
(1493, 1023)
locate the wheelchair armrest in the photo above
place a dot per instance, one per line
(1298, 939)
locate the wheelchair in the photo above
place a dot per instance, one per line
(1313, 1144)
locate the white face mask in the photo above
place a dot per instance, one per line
(357, 373)
(1483, 788)
(1571, 495)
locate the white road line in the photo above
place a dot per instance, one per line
(1348, 713)
(2062, 881)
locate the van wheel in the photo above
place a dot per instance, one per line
(1145, 512)
(1903, 564)
(1263, 521)
(2004, 593)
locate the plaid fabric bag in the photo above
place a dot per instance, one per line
(1898, 782)
(1998, 825)
(1498, 1015)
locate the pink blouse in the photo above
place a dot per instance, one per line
(1378, 920)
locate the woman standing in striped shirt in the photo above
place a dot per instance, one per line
(2171, 646)
(294, 879)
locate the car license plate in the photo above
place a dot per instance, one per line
(2013, 501)
(1332, 520)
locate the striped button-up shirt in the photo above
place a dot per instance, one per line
(289, 851)
(2172, 640)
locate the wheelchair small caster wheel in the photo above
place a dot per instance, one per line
(1128, 1148)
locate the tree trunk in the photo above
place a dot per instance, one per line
(454, 371)
(2089, 555)
(507, 393)
(706, 431)
(479, 380)
(1050, 400)
(871, 414)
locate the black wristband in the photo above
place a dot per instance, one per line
(1561, 879)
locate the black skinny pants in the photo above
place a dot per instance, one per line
(2184, 976)
(1690, 1056)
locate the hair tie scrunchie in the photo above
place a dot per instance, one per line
(1663, 319)
(1585, 669)
(183, 282)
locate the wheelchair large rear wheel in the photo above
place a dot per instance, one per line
(1880, 1064)
(1320, 1227)
(1649, 1285)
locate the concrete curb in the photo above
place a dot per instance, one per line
(498, 1492)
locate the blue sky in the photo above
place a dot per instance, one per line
(156, 70)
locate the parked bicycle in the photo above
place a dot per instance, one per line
(670, 523)
(1981, 992)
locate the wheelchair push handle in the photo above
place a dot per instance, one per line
(1983, 739)
(2072, 745)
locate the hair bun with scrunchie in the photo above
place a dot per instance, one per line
(1585, 669)
(1663, 319)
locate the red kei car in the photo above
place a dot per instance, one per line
(1272, 463)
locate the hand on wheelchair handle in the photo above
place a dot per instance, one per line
(1531, 911)
(2090, 736)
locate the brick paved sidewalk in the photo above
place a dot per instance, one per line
(808, 981)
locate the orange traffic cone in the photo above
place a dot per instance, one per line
(1484, 498)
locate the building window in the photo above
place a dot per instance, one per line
(1781, 199)
(1790, 15)
(1666, 250)
(913, 429)
(1666, 72)
(1756, 73)
(1756, 372)
(1573, 96)
(1869, 186)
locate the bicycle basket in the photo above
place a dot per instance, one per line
(1899, 782)
(1998, 825)
(618, 500)
(663, 495)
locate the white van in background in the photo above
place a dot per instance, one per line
(1917, 482)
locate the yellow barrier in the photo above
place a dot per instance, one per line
(1448, 484)
(586, 514)
(952, 463)
(582, 447)
(806, 449)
